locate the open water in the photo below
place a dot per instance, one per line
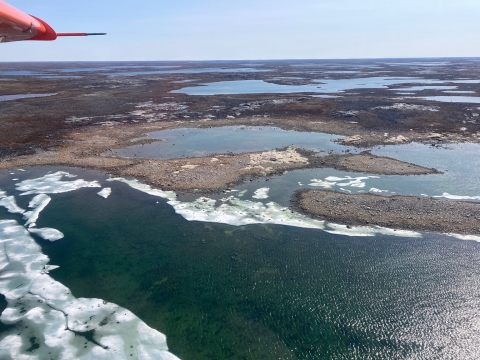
(221, 286)
(237, 275)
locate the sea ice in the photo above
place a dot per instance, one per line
(105, 193)
(47, 321)
(261, 193)
(457, 197)
(53, 184)
(322, 183)
(10, 204)
(242, 193)
(47, 233)
(465, 237)
(369, 231)
(37, 204)
(378, 191)
(44, 310)
(135, 184)
(237, 212)
(332, 181)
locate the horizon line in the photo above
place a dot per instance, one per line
(267, 59)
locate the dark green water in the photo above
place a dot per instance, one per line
(267, 292)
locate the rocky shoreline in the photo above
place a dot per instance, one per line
(398, 212)
(207, 174)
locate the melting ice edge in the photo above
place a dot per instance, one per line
(43, 314)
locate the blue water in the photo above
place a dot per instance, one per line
(190, 71)
(453, 99)
(426, 87)
(23, 96)
(458, 178)
(320, 86)
(262, 291)
(270, 291)
(17, 73)
(201, 142)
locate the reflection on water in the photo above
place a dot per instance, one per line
(460, 92)
(17, 73)
(426, 87)
(200, 142)
(320, 86)
(23, 96)
(272, 291)
(459, 163)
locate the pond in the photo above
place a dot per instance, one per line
(201, 142)
(23, 96)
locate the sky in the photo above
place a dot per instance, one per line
(252, 29)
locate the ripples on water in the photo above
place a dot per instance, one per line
(269, 291)
(264, 291)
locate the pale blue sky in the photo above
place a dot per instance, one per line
(252, 29)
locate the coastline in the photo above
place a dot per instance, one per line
(207, 174)
(399, 212)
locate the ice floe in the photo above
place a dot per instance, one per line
(377, 191)
(53, 184)
(457, 197)
(261, 193)
(465, 237)
(242, 193)
(37, 204)
(44, 320)
(135, 184)
(242, 212)
(331, 181)
(47, 233)
(105, 193)
(322, 183)
(369, 231)
(237, 212)
(10, 204)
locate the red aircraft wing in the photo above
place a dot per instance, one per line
(15, 25)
